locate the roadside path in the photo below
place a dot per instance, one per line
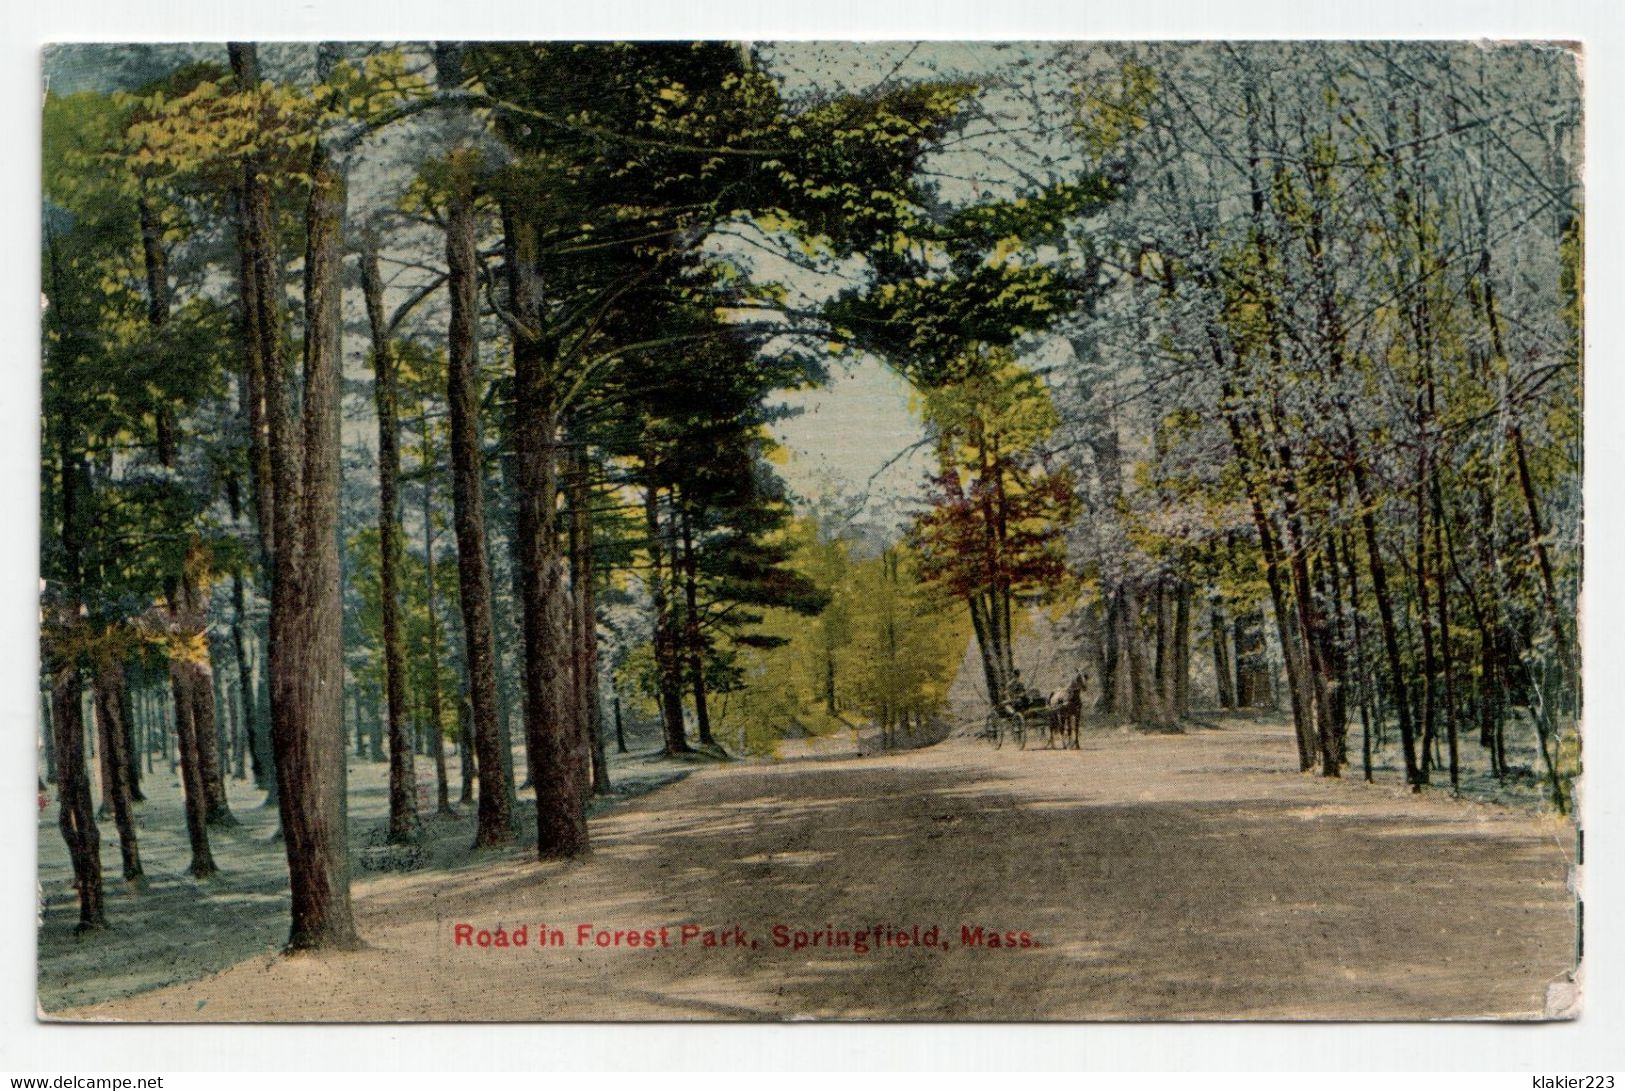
(1192, 876)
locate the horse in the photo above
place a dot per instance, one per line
(1065, 708)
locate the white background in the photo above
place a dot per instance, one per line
(1596, 1042)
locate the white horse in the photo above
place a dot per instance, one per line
(1066, 712)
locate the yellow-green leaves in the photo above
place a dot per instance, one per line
(1108, 114)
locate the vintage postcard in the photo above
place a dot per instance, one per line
(757, 531)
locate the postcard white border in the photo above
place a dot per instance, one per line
(1593, 1043)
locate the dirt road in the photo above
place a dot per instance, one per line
(1192, 876)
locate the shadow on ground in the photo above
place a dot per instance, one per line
(178, 928)
(1194, 876)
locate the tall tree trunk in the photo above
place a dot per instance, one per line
(166, 730)
(252, 730)
(217, 808)
(561, 823)
(691, 627)
(996, 614)
(1162, 647)
(239, 741)
(259, 285)
(1304, 677)
(1171, 669)
(375, 724)
(1490, 697)
(1494, 681)
(1182, 650)
(1106, 703)
(403, 806)
(1424, 613)
(192, 689)
(514, 602)
(1246, 669)
(1362, 670)
(465, 747)
(1307, 741)
(578, 677)
(678, 600)
(306, 646)
(181, 681)
(437, 735)
(132, 741)
(352, 701)
(496, 822)
(1312, 633)
(434, 728)
(1446, 656)
(583, 580)
(109, 690)
(141, 702)
(49, 735)
(188, 594)
(1222, 675)
(151, 727)
(1140, 691)
(75, 810)
(671, 701)
(1385, 615)
(1329, 586)
(992, 664)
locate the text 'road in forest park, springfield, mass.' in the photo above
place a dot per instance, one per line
(779, 937)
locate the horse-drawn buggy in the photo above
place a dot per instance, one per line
(1025, 712)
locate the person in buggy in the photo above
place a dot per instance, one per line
(1021, 698)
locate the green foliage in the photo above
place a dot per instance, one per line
(116, 384)
(886, 646)
(926, 326)
(1110, 113)
(983, 276)
(196, 129)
